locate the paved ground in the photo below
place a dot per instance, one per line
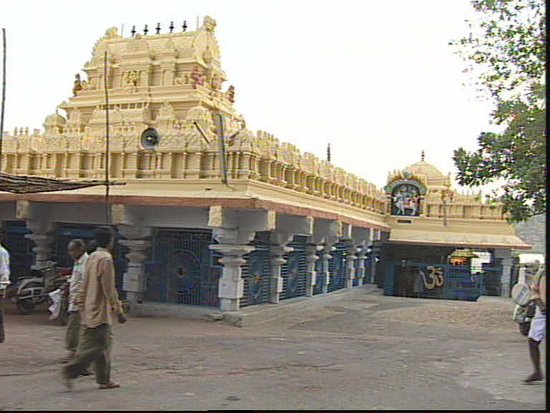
(363, 352)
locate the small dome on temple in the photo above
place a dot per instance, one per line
(432, 175)
(54, 123)
(55, 120)
(425, 169)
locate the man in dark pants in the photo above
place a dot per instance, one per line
(77, 251)
(98, 299)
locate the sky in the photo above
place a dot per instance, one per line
(376, 79)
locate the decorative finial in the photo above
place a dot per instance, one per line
(171, 27)
(328, 152)
(184, 27)
(133, 32)
(158, 28)
(422, 155)
(146, 30)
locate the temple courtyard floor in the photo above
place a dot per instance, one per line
(359, 351)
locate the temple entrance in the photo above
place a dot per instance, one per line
(439, 272)
(424, 280)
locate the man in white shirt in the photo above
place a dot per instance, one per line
(4, 281)
(77, 251)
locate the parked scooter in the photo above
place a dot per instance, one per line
(34, 290)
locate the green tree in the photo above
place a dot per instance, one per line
(506, 47)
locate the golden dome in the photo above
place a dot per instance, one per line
(425, 169)
(432, 175)
(55, 120)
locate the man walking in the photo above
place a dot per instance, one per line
(4, 282)
(537, 332)
(98, 299)
(77, 252)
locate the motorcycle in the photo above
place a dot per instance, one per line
(34, 290)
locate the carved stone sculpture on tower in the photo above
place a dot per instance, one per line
(230, 94)
(77, 84)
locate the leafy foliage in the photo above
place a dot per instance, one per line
(508, 49)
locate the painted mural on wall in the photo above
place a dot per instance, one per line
(405, 200)
(405, 192)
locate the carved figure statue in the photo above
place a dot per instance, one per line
(77, 84)
(131, 79)
(112, 33)
(216, 82)
(230, 94)
(182, 79)
(197, 77)
(209, 24)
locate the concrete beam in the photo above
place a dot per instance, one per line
(248, 220)
(294, 224)
(326, 231)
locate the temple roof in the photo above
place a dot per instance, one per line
(470, 239)
(33, 184)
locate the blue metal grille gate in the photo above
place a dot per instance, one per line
(180, 269)
(294, 270)
(256, 272)
(337, 267)
(491, 281)
(19, 247)
(65, 232)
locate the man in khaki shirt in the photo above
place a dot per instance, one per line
(98, 299)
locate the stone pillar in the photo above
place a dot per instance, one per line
(311, 259)
(233, 244)
(43, 249)
(194, 165)
(42, 234)
(138, 242)
(350, 264)
(505, 256)
(231, 285)
(133, 281)
(360, 268)
(325, 257)
(276, 282)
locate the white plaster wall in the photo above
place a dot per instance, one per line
(70, 213)
(169, 217)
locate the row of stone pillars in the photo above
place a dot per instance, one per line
(233, 246)
(231, 286)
